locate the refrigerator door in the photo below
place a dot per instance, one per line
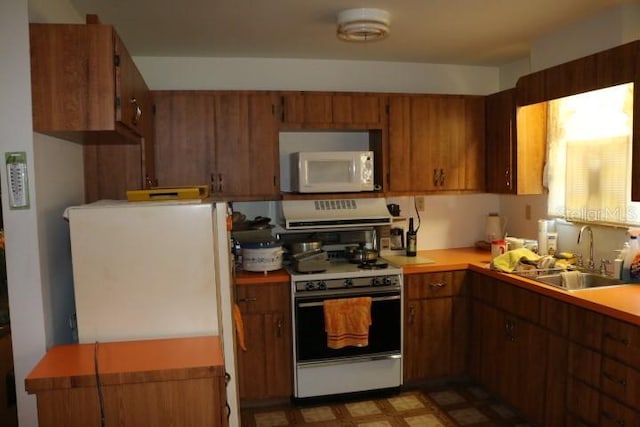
(143, 270)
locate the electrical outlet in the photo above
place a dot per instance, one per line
(419, 203)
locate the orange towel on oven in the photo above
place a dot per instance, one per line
(347, 322)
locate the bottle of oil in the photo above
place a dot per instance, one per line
(412, 239)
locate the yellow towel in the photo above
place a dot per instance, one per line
(510, 259)
(347, 322)
(237, 319)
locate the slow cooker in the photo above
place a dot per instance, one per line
(262, 256)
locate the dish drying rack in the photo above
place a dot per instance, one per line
(532, 273)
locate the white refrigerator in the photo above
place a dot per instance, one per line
(145, 270)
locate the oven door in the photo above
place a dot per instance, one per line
(385, 332)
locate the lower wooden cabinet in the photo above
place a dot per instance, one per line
(435, 327)
(265, 369)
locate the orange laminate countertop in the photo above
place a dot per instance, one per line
(448, 259)
(70, 366)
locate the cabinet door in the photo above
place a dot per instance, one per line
(184, 137)
(500, 135)
(400, 153)
(307, 109)
(265, 370)
(111, 169)
(473, 144)
(356, 109)
(246, 146)
(131, 90)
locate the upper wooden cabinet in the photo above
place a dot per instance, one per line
(322, 110)
(436, 143)
(514, 154)
(600, 70)
(84, 80)
(228, 140)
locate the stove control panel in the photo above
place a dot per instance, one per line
(357, 282)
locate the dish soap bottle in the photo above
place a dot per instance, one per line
(631, 263)
(412, 239)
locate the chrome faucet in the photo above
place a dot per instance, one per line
(592, 264)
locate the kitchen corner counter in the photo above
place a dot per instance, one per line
(445, 260)
(71, 366)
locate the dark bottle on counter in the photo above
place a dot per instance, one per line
(412, 239)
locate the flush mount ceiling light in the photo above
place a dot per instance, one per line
(363, 25)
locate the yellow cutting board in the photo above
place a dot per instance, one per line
(406, 260)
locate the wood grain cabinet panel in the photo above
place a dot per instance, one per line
(86, 88)
(227, 140)
(265, 369)
(332, 110)
(436, 143)
(435, 326)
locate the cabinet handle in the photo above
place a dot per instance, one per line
(412, 314)
(437, 284)
(610, 417)
(507, 177)
(213, 183)
(279, 328)
(614, 379)
(220, 183)
(509, 328)
(249, 299)
(435, 177)
(621, 340)
(442, 176)
(137, 111)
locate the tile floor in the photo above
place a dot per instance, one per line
(451, 406)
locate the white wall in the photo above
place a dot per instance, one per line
(309, 74)
(38, 268)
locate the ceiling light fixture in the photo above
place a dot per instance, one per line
(363, 25)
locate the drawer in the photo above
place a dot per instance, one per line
(518, 302)
(264, 298)
(621, 382)
(554, 316)
(621, 341)
(613, 414)
(434, 285)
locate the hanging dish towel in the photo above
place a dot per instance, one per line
(347, 322)
(239, 323)
(572, 280)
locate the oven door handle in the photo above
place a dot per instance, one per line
(343, 361)
(374, 299)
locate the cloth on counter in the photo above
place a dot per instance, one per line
(572, 280)
(239, 323)
(508, 262)
(347, 322)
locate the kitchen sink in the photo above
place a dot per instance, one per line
(588, 281)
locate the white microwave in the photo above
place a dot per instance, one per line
(332, 171)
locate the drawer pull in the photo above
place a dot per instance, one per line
(621, 340)
(437, 284)
(250, 299)
(620, 381)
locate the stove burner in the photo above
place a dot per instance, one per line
(373, 265)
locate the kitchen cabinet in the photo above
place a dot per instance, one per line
(265, 369)
(604, 380)
(515, 154)
(83, 80)
(436, 143)
(510, 345)
(228, 140)
(86, 88)
(435, 326)
(332, 110)
(183, 382)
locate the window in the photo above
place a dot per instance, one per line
(589, 157)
